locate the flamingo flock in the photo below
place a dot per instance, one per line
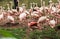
(49, 15)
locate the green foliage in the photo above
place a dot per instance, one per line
(4, 33)
(48, 33)
(27, 2)
(18, 33)
(21, 33)
(36, 34)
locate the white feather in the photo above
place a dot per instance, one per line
(10, 18)
(20, 9)
(52, 22)
(22, 16)
(42, 18)
(1, 16)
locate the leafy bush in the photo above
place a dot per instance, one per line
(4, 33)
(20, 33)
(48, 33)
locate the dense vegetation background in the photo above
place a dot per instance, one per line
(27, 2)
